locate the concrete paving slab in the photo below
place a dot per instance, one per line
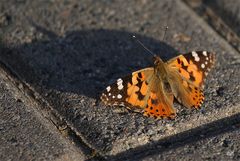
(222, 15)
(25, 134)
(229, 11)
(220, 142)
(220, 147)
(70, 51)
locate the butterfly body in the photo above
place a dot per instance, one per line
(152, 90)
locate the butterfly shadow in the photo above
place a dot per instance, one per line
(68, 71)
(83, 62)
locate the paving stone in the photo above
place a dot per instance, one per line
(221, 147)
(71, 51)
(221, 144)
(222, 15)
(229, 11)
(25, 134)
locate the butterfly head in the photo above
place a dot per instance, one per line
(157, 60)
(158, 63)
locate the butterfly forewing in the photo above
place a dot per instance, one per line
(193, 66)
(130, 91)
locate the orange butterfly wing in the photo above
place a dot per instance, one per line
(160, 102)
(193, 66)
(141, 91)
(144, 91)
(187, 76)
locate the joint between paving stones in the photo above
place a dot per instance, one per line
(48, 112)
(217, 24)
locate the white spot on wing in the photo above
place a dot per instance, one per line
(204, 53)
(195, 55)
(119, 80)
(119, 83)
(108, 88)
(202, 65)
(196, 58)
(120, 87)
(119, 96)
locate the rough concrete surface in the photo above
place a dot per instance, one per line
(25, 134)
(225, 146)
(69, 51)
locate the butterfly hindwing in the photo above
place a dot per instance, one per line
(160, 101)
(193, 66)
(186, 92)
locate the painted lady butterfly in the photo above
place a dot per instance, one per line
(152, 90)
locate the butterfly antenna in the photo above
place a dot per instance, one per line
(165, 31)
(149, 51)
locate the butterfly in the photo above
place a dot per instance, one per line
(152, 90)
